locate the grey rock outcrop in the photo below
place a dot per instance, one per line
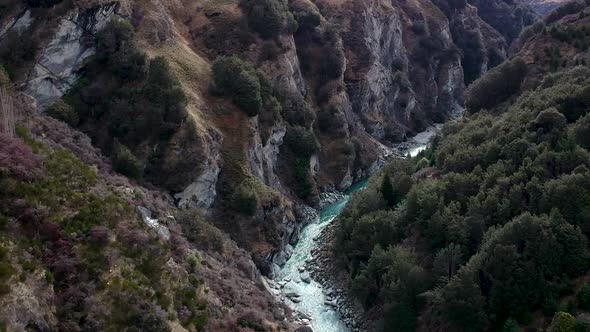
(18, 24)
(202, 192)
(56, 69)
(263, 156)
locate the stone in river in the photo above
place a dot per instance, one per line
(304, 329)
(305, 277)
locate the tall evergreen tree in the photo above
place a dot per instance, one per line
(388, 192)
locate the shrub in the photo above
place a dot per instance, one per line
(17, 49)
(582, 132)
(16, 157)
(496, 86)
(562, 322)
(583, 323)
(199, 232)
(269, 18)
(583, 297)
(308, 20)
(116, 49)
(64, 112)
(302, 177)
(4, 77)
(301, 141)
(125, 162)
(239, 80)
(244, 200)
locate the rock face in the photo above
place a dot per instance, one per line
(202, 192)
(390, 70)
(544, 6)
(402, 73)
(55, 71)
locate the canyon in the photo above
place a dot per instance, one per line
(353, 80)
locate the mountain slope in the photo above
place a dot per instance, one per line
(544, 6)
(249, 110)
(487, 229)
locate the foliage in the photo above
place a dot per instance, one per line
(269, 18)
(64, 112)
(301, 141)
(563, 322)
(125, 162)
(126, 103)
(504, 221)
(583, 297)
(199, 231)
(16, 157)
(17, 51)
(244, 200)
(4, 77)
(496, 86)
(241, 81)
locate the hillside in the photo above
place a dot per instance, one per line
(488, 229)
(544, 6)
(246, 111)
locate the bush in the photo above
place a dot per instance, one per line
(269, 18)
(496, 86)
(117, 50)
(582, 132)
(302, 177)
(562, 322)
(141, 104)
(583, 297)
(244, 200)
(125, 162)
(301, 141)
(200, 232)
(4, 77)
(238, 79)
(63, 112)
(17, 50)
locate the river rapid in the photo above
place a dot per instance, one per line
(302, 293)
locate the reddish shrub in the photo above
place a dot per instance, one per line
(99, 235)
(16, 157)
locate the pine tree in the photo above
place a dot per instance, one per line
(388, 192)
(510, 325)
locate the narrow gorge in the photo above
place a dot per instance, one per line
(186, 155)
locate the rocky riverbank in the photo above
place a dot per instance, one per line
(323, 268)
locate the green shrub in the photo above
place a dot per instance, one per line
(582, 132)
(117, 50)
(238, 79)
(4, 77)
(269, 18)
(125, 162)
(244, 200)
(496, 86)
(64, 112)
(17, 50)
(123, 97)
(583, 323)
(199, 232)
(583, 297)
(302, 177)
(563, 322)
(301, 141)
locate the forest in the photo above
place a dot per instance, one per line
(486, 230)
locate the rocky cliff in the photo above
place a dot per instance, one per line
(544, 6)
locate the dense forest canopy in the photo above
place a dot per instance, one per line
(488, 229)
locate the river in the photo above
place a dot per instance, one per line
(308, 297)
